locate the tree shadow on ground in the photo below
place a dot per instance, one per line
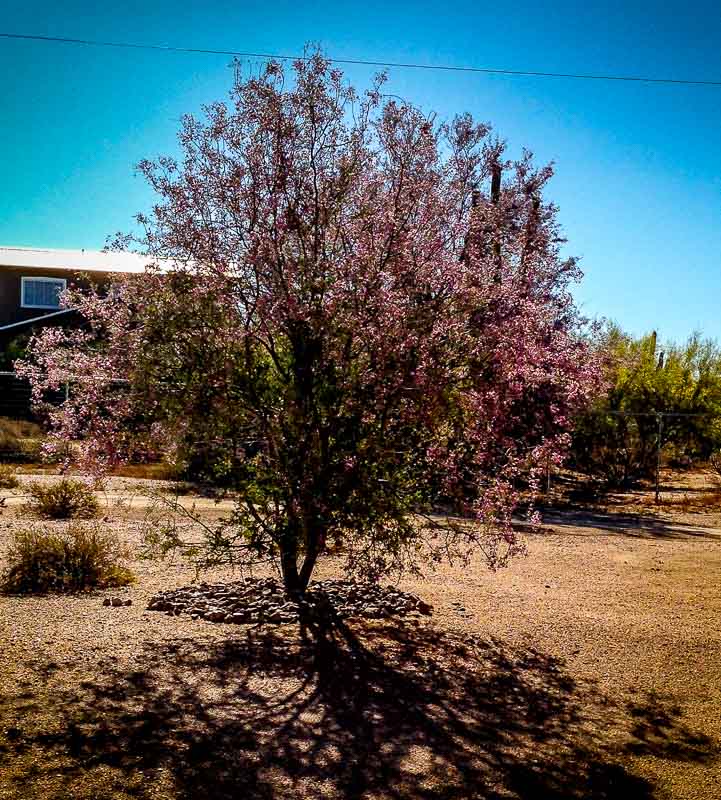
(647, 525)
(386, 710)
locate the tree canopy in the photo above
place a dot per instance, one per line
(353, 313)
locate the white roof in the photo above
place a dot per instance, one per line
(74, 260)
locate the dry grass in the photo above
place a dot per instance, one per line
(591, 669)
(80, 557)
(19, 440)
(8, 478)
(689, 502)
(66, 498)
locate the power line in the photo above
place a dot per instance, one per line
(363, 62)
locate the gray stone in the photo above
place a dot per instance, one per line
(260, 599)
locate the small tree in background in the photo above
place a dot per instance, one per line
(353, 328)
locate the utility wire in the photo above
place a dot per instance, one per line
(362, 62)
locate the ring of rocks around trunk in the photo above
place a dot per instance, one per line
(264, 600)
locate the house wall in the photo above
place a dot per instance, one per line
(10, 288)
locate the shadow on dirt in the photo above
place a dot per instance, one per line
(387, 711)
(648, 526)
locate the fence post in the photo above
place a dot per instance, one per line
(548, 476)
(659, 421)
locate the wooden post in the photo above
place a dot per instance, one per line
(548, 476)
(659, 420)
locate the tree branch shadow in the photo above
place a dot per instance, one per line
(644, 526)
(388, 710)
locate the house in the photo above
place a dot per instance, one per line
(31, 280)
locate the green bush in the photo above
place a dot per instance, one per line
(64, 499)
(8, 478)
(81, 557)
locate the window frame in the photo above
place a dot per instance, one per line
(40, 279)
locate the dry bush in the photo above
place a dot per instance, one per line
(20, 440)
(80, 557)
(20, 428)
(8, 478)
(65, 499)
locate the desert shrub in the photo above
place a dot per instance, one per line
(20, 440)
(10, 441)
(8, 478)
(20, 428)
(81, 557)
(64, 499)
(617, 450)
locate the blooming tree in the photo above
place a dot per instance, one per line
(357, 311)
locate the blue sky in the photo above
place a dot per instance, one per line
(638, 167)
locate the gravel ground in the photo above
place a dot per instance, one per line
(589, 669)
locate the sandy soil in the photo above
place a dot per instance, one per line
(589, 669)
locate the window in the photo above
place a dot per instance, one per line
(41, 292)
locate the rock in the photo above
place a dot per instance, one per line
(128, 602)
(424, 608)
(116, 602)
(106, 602)
(254, 600)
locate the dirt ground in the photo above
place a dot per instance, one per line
(589, 669)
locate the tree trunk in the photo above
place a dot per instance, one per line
(289, 568)
(308, 564)
(296, 581)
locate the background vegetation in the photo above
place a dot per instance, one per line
(615, 439)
